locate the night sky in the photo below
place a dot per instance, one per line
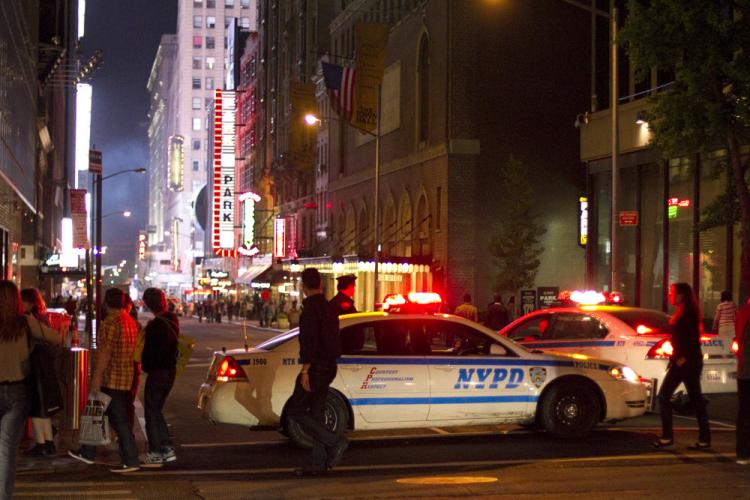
(128, 32)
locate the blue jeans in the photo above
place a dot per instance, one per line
(15, 403)
(118, 419)
(158, 385)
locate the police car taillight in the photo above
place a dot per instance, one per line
(230, 371)
(661, 350)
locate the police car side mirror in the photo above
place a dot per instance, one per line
(497, 350)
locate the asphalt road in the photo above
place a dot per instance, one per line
(226, 462)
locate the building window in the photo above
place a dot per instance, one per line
(209, 83)
(210, 4)
(210, 61)
(245, 4)
(197, 42)
(197, 4)
(210, 42)
(244, 22)
(196, 103)
(196, 165)
(423, 90)
(197, 63)
(227, 20)
(196, 83)
(208, 102)
(210, 22)
(196, 144)
(196, 123)
(197, 21)
(228, 4)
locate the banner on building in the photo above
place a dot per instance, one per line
(78, 214)
(371, 40)
(223, 205)
(303, 135)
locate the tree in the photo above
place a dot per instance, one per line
(704, 44)
(515, 246)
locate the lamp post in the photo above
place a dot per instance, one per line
(124, 213)
(98, 179)
(311, 119)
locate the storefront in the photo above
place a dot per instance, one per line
(661, 205)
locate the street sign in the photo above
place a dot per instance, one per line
(528, 301)
(95, 161)
(629, 218)
(547, 295)
(78, 214)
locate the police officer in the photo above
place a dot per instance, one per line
(342, 303)
(320, 345)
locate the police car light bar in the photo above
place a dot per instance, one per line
(397, 300)
(587, 297)
(424, 298)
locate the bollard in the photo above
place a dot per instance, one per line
(75, 380)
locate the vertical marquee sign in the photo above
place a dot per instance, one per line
(248, 201)
(224, 159)
(175, 162)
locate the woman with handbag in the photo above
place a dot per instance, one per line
(41, 423)
(159, 361)
(15, 393)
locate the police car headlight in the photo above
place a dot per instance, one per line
(624, 373)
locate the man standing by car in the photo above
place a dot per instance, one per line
(343, 302)
(320, 345)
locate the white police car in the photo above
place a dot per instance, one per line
(633, 336)
(423, 370)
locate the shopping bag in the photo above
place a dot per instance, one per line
(94, 429)
(185, 348)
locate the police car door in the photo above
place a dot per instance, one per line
(471, 380)
(576, 333)
(385, 382)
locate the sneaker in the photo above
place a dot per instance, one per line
(743, 461)
(662, 443)
(700, 445)
(124, 469)
(168, 454)
(77, 455)
(152, 460)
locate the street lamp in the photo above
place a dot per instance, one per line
(311, 119)
(98, 179)
(124, 213)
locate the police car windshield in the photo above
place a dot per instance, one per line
(650, 322)
(274, 342)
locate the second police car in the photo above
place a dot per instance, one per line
(423, 370)
(587, 324)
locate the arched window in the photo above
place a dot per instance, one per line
(423, 89)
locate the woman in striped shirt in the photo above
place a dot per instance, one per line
(724, 316)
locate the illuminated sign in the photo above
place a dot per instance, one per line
(223, 180)
(674, 205)
(279, 238)
(248, 201)
(83, 129)
(583, 221)
(175, 244)
(175, 162)
(141, 246)
(629, 218)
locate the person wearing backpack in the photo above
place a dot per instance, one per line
(159, 362)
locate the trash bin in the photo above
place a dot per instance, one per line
(75, 381)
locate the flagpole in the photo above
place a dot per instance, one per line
(376, 287)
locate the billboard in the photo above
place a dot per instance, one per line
(223, 209)
(279, 238)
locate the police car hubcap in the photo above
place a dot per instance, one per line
(329, 417)
(569, 410)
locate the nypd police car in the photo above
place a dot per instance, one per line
(633, 336)
(423, 370)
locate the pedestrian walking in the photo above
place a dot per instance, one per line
(159, 361)
(497, 314)
(724, 317)
(320, 346)
(743, 384)
(129, 308)
(685, 366)
(467, 309)
(41, 423)
(15, 393)
(343, 301)
(113, 375)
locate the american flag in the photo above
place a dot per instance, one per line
(340, 83)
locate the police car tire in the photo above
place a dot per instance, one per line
(338, 409)
(568, 396)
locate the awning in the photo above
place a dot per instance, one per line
(246, 274)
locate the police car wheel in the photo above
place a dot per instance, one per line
(335, 415)
(570, 410)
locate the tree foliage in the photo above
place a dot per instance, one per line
(515, 246)
(704, 44)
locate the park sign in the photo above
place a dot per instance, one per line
(223, 206)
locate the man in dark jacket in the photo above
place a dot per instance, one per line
(320, 345)
(497, 314)
(342, 302)
(159, 361)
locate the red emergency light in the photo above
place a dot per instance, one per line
(413, 302)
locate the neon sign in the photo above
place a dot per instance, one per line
(279, 238)
(175, 160)
(141, 246)
(224, 169)
(248, 201)
(583, 221)
(674, 205)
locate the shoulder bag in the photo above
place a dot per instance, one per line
(47, 398)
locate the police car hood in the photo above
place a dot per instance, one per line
(581, 360)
